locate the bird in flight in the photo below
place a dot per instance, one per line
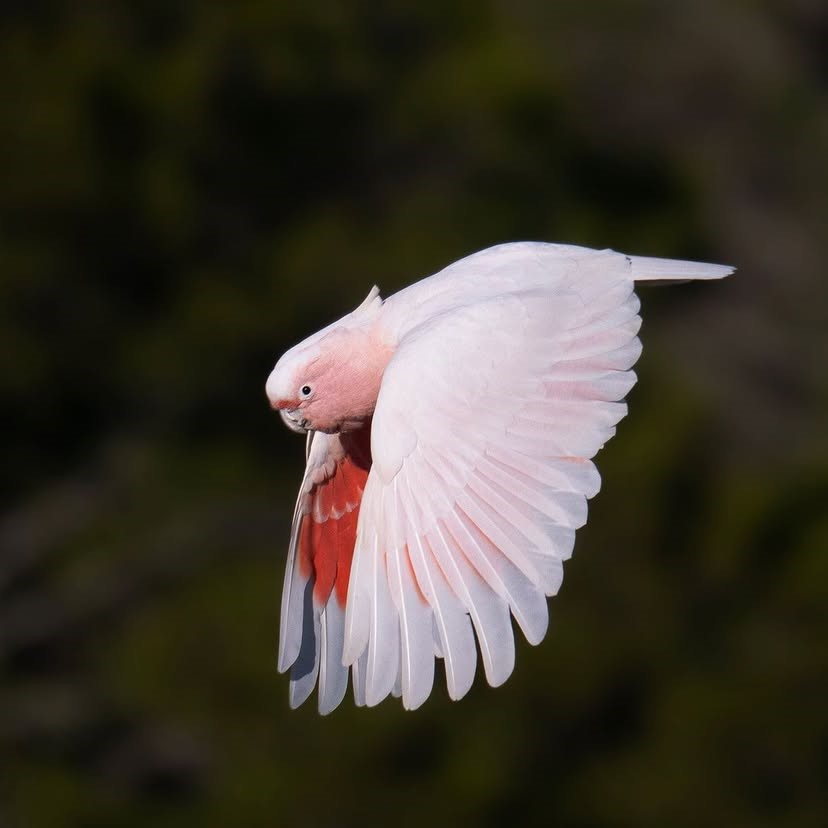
(450, 434)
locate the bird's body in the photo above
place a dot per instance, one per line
(450, 434)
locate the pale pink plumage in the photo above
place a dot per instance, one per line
(451, 430)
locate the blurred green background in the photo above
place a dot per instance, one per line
(190, 187)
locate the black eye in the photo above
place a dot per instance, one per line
(306, 389)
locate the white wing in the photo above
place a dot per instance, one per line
(487, 418)
(506, 268)
(319, 559)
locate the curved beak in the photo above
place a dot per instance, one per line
(292, 418)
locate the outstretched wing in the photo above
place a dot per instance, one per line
(319, 564)
(486, 423)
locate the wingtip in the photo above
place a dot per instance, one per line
(326, 709)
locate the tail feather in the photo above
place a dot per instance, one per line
(646, 269)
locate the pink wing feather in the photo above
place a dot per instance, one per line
(485, 427)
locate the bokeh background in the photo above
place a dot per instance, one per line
(187, 188)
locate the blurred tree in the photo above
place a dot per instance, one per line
(181, 180)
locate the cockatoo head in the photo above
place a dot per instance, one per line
(330, 382)
(296, 385)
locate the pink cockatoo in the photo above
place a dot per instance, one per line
(451, 430)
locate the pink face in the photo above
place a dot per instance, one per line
(334, 388)
(312, 405)
(295, 388)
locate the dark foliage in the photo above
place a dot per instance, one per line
(188, 188)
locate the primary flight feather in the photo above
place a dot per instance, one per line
(450, 435)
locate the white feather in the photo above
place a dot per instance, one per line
(509, 373)
(562, 475)
(358, 672)
(645, 268)
(561, 508)
(452, 623)
(290, 624)
(333, 675)
(489, 612)
(416, 644)
(384, 630)
(522, 595)
(304, 671)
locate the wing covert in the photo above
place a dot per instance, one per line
(482, 439)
